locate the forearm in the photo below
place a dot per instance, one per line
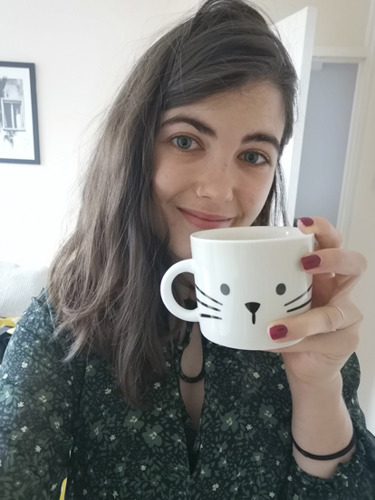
(321, 425)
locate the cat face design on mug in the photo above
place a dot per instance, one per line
(245, 278)
(213, 306)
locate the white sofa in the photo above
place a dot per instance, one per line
(18, 284)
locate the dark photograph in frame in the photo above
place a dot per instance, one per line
(19, 138)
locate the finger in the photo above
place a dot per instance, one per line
(337, 344)
(334, 260)
(319, 320)
(326, 235)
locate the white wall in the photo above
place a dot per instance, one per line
(360, 232)
(348, 29)
(341, 23)
(81, 49)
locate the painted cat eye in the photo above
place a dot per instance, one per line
(280, 289)
(224, 288)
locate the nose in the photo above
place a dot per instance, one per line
(216, 183)
(253, 308)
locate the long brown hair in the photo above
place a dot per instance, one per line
(104, 281)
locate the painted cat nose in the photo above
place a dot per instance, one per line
(252, 306)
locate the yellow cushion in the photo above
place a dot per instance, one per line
(8, 322)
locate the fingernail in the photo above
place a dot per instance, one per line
(278, 332)
(311, 261)
(307, 221)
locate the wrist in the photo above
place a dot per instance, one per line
(318, 383)
(318, 410)
(321, 425)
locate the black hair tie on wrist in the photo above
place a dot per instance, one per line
(192, 380)
(333, 456)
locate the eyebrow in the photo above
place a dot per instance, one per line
(205, 129)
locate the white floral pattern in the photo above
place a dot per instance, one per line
(66, 420)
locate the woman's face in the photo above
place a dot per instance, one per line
(215, 160)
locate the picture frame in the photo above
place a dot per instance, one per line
(19, 136)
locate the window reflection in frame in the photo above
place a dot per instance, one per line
(19, 137)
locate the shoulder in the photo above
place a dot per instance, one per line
(34, 343)
(37, 322)
(39, 314)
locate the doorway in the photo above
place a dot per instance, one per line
(325, 139)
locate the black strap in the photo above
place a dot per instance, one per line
(191, 304)
(192, 380)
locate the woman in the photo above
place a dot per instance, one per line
(102, 386)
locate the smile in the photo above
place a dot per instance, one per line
(203, 220)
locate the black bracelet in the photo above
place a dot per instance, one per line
(192, 380)
(326, 457)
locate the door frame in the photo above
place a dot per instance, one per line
(365, 58)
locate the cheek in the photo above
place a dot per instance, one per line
(257, 194)
(159, 174)
(168, 182)
(268, 187)
(165, 188)
(159, 195)
(160, 184)
(157, 187)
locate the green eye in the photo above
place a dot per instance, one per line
(254, 158)
(183, 142)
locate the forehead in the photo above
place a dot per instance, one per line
(255, 105)
(247, 92)
(258, 94)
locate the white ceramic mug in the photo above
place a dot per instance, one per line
(245, 277)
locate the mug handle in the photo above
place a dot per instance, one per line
(184, 266)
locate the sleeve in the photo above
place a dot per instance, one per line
(354, 480)
(37, 399)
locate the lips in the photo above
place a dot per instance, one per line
(203, 220)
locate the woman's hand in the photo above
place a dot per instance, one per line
(330, 330)
(321, 423)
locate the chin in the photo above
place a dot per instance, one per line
(180, 252)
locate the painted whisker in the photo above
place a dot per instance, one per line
(299, 297)
(206, 305)
(298, 307)
(208, 316)
(213, 300)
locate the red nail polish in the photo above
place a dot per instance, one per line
(311, 261)
(307, 221)
(278, 332)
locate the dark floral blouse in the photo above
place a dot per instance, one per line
(66, 420)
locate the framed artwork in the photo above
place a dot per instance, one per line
(19, 138)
